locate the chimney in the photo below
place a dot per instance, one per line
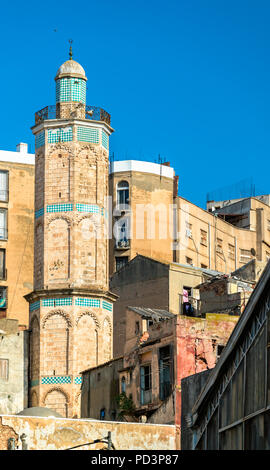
(22, 148)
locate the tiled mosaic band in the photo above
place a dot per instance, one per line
(39, 213)
(85, 302)
(107, 306)
(40, 139)
(60, 208)
(70, 89)
(79, 301)
(56, 302)
(78, 380)
(88, 208)
(88, 134)
(34, 306)
(105, 140)
(64, 134)
(62, 379)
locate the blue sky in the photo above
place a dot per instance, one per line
(186, 79)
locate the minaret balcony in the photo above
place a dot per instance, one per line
(92, 113)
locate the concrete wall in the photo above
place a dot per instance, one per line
(60, 434)
(100, 389)
(142, 282)
(191, 387)
(14, 348)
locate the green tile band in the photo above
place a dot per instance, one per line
(56, 302)
(87, 134)
(70, 89)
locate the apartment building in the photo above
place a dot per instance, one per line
(152, 220)
(16, 232)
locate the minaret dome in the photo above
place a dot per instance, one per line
(71, 82)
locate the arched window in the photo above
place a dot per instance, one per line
(123, 193)
(123, 385)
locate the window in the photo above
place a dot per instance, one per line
(3, 297)
(203, 237)
(219, 248)
(189, 261)
(3, 224)
(231, 251)
(120, 261)
(123, 193)
(123, 385)
(4, 369)
(146, 384)
(2, 264)
(137, 328)
(188, 230)
(102, 414)
(204, 266)
(245, 256)
(122, 239)
(3, 185)
(165, 371)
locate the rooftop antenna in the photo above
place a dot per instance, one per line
(70, 48)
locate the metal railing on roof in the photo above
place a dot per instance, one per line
(93, 113)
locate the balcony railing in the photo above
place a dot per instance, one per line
(92, 113)
(195, 306)
(146, 397)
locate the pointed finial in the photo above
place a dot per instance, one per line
(70, 49)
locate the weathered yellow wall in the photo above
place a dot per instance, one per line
(60, 434)
(210, 256)
(145, 188)
(20, 242)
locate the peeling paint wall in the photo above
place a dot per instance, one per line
(60, 434)
(14, 349)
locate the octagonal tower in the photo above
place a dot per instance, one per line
(70, 308)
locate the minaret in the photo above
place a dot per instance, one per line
(70, 308)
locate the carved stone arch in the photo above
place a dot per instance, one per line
(84, 147)
(62, 147)
(56, 389)
(109, 322)
(91, 314)
(52, 218)
(58, 311)
(77, 397)
(80, 217)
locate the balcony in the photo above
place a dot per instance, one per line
(92, 113)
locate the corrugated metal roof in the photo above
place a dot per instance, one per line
(153, 313)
